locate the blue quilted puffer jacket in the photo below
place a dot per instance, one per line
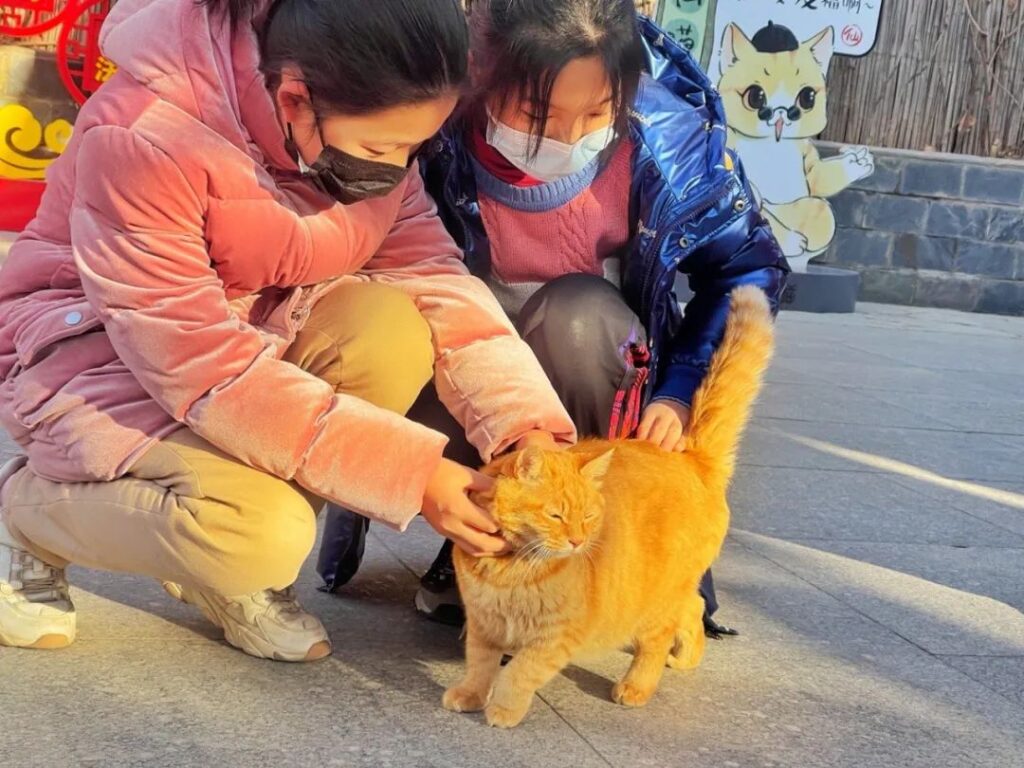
(691, 210)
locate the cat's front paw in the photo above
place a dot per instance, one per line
(462, 700)
(630, 694)
(500, 716)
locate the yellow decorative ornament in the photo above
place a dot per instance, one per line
(26, 149)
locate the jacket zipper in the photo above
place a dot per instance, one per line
(457, 204)
(705, 204)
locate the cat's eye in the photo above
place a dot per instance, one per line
(807, 98)
(755, 97)
(556, 516)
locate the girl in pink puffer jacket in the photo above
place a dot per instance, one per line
(234, 289)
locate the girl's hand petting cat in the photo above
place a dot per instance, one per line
(664, 423)
(446, 506)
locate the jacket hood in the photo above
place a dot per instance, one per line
(678, 116)
(196, 63)
(673, 67)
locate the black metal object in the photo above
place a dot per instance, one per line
(821, 289)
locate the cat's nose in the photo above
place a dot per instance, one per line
(576, 543)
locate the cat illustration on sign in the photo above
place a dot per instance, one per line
(773, 87)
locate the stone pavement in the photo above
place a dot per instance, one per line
(875, 568)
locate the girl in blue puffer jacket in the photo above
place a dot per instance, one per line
(588, 169)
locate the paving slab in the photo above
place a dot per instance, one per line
(924, 351)
(956, 455)
(780, 373)
(818, 402)
(888, 317)
(820, 347)
(761, 447)
(991, 571)
(936, 618)
(882, 375)
(1004, 511)
(1002, 674)
(793, 504)
(994, 415)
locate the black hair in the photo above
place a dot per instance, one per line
(775, 38)
(521, 47)
(356, 56)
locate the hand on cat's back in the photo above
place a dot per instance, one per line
(664, 423)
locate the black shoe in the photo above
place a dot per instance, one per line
(716, 631)
(438, 596)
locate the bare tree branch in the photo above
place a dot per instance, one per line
(974, 21)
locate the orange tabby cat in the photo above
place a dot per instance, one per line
(611, 540)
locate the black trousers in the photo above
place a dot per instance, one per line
(593, 349)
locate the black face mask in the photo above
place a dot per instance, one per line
(346, 178)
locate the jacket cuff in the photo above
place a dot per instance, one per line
(679, 383)
(377, 465)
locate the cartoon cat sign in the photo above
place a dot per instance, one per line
(773, 86)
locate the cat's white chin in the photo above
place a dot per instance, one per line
(563, 553)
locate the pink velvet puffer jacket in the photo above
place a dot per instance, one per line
(176, 253)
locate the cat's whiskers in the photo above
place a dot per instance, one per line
(539, 554)
(527, 553)
(530, 558)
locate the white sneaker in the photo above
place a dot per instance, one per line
(35, 607)
(269, 624)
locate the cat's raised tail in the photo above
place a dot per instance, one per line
(721, 407)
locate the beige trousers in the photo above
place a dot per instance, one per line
(189, 513)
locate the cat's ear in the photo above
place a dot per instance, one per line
(595, 469)
(822, 46)
(529, 464)
(735, 45)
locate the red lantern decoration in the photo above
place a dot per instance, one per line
(81, 65)
(27, 18)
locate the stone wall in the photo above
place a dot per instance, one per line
(935, 230)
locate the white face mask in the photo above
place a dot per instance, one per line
(553, 159)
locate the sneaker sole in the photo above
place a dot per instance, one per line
(316, 652)
(437, 610)
(51, 642)
(424, 605)
(236, 637)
